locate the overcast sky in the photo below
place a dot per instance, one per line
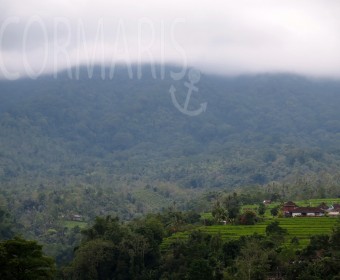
(225, 37)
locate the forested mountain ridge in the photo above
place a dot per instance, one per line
(256, 129)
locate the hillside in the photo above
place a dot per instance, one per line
(256, 129)
(93, 147)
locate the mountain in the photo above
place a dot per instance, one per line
(124, 131)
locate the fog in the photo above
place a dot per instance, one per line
(224, 37)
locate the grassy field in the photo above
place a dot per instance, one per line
(301, 227)
(73, 224)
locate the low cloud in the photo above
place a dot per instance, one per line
(224, 37)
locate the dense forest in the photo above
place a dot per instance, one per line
(76, 148)
(114, 249)
(122, 131)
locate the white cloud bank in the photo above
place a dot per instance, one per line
(220, 36)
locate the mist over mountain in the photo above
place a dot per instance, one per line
(169, 139)
(255, 129)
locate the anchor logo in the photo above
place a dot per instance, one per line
(194, 77)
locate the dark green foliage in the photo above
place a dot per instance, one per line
(275, 232)
(198, 257)
(231, 250)
(252, 261)
(295, 241)
(219, 213)
(317, 242)
(23, 260)
(174, 221)
(274, 229)
(200, 270)
(275, 210)
(320, 260)
(335, 237)
(120, 147)
(275, 197)
(6, 225)
(96, 259)
(107, 228)
(247, 218)
(261, 209)
(232, 205)
(111, 250)
(250, 134)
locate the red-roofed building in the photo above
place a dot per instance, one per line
(288, 207)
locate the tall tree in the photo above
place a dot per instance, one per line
(261, 209)
(252, 262)
(219, 213)
(232, 205)
(23, 260)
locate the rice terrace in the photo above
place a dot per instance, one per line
(298, 228)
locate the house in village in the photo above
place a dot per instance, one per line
(77, 218)
(334, 210)
(307, 212)
(290, 209)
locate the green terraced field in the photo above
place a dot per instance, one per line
(302, 228)
(316, 202)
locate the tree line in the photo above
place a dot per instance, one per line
(113, 249)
